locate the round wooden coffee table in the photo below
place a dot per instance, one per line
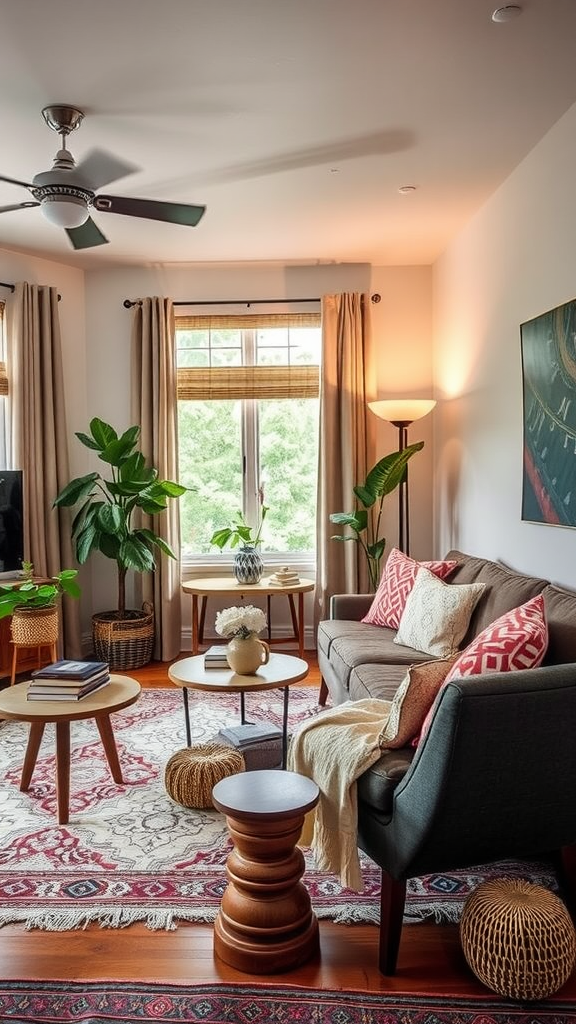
(121, 692)
(279, 673)
(265, 923)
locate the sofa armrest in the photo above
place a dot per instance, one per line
(350, 606)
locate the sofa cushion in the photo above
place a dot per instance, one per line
(380, 681)
(396, 583)
(517, 640)
(437, 614)
(504, 591)
(331, 629)
(560, 608)
(412, 702)
(346, 652)
(377, 785)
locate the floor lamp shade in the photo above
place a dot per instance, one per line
(401, 412)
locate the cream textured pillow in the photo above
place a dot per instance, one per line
(436, 614)
(412, 702)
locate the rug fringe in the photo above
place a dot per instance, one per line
(110, 917)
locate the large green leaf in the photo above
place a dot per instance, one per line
(111, 519)
(102, 432)
(76, 490)
(385, 476)
(135, 554)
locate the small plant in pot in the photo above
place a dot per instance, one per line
(248, 565)
(108, 520)
(33, 605)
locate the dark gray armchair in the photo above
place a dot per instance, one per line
(494, 778)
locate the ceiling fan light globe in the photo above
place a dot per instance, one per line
(65, 211)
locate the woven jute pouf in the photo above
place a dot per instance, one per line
(518, 938)
(192, 773)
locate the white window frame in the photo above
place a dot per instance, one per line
(205, 565)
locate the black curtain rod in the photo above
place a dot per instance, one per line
(12, 288)
(128, 303)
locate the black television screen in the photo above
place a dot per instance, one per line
(11, 520)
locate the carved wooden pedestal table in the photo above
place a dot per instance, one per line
(265, 924)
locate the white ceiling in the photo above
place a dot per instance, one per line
(294, 121)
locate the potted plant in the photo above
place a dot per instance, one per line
(365, 522)
(248, 565)
(33, 605)
(108, 521)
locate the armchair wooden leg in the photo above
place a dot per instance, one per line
(323, 694)
(392, 903)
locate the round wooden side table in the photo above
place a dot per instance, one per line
(121, 692)
(265, 924)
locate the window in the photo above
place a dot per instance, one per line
(248, 428)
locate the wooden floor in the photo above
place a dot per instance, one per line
(430, 959)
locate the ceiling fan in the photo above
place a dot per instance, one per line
(67, 193)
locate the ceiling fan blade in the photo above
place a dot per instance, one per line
(86, 236)
(15, 181)
(99, 168)
(152, 209)
(17, 206)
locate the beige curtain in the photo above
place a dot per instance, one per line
(154, 408)
(40, 438)
(346, 440)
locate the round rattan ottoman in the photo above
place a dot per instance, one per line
(192, 773)
(518, 938)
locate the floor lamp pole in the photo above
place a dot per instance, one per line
(403, 500)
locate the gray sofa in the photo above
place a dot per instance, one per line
(357, 660)
(495, 775)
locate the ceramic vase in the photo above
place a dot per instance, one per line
(248, 565)
(245, 657)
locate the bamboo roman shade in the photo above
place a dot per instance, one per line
(3, 371)
(238, 382)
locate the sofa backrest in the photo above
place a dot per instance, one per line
(506, 589)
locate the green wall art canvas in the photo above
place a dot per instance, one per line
(549, 393)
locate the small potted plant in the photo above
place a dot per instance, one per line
(33, 605)
(248, 565)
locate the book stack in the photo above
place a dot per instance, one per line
(215, 657)
(247, 735)
(285, 577)
(68, 680)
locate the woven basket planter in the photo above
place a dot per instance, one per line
(35, 627)
(518, 938)
(125, 643)
(192, 773)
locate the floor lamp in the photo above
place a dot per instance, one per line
(401, 412)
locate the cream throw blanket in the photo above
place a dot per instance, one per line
(334, 749)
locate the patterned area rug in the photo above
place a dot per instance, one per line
(97, 1003)
(131, 854)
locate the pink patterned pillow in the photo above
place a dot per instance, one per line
(517, 640)
(395, 585)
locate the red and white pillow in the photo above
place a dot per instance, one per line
(395, 585)
(517, 640)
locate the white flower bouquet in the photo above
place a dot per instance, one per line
(242, 622)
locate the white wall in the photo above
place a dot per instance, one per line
(402, 329)
(515, 260)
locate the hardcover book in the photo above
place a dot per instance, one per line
(244, 735)
(67, 694)
(70, 670)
